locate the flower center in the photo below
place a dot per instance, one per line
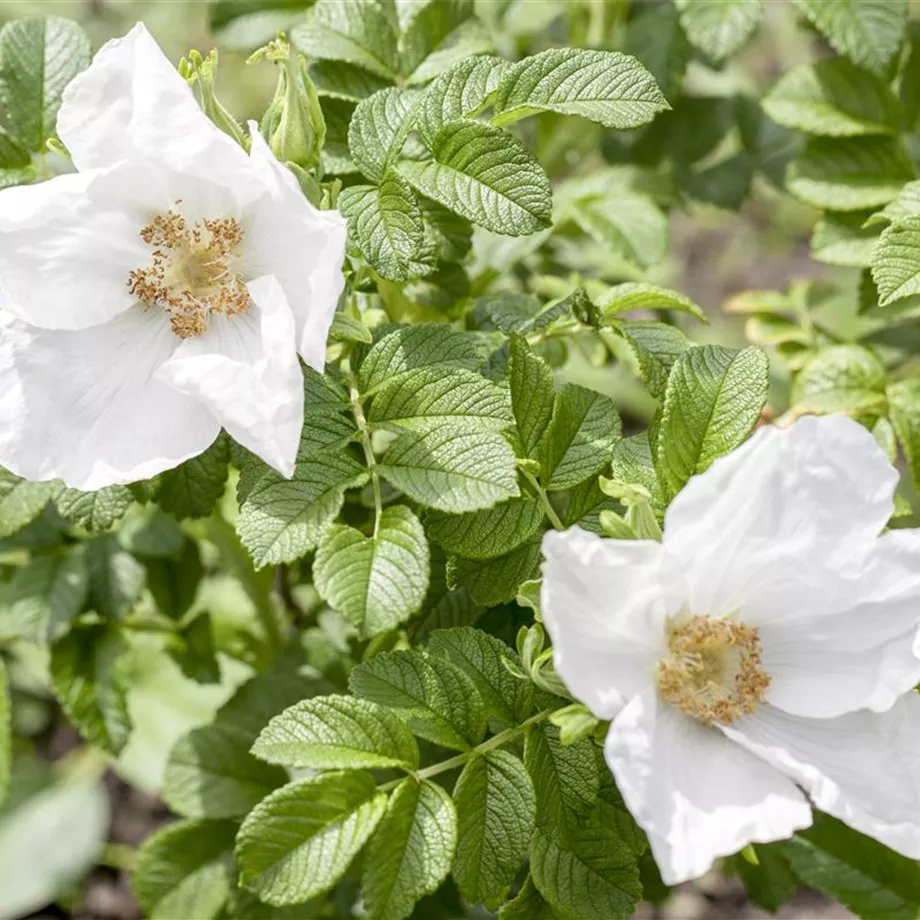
(190, 272)
(713, 669)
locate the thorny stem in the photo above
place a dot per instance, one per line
(452, 762)
(369, 458)
(547, 506)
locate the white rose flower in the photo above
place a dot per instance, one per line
(161, 292)
(762, 657)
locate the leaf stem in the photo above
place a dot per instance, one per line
(547, 506)
(452, 762)
(369, 458)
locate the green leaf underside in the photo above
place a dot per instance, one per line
(337, 733)
(298, 842)
(435, 699)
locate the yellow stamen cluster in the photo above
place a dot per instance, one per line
(190, 272)
(713, 671)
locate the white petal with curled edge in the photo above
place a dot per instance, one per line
(303, 247)
(697, 795)
(245, 370)
(855, 653)
(86, 407)
(68, 245)
(861, 767)
(604, 605)
(131, 102)
(774, 515)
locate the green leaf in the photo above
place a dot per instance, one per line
(21, 502)
(580, 438)
(719, 28)
(771, 882)
(496, 810)
(587, 501)
(841, 378)
(96, 511)
(482, 657)
(150, 532)
(834, 98)
(608, 87)
(361, 32)
(379, 128)
(428, 26)
(532, 394)
(448, 235)
(452, 470)
(485, 175)
(336, 157)
(904, 412)
(43, 598)
(298, 842)
(636, 295)
(714, 397)
(185, 870)
(116, 578)
(566, 779)
(428, 398)
(39, 56)
(283, 519)
(346, 328)
(90, 680)
(629, 225)
(906, 205)
(896, 261)
(518, 313)
(375, 582)
(211, 772)
(386, 225)
(6, 734)
(842, 239)
(337, 733)
(345, 81)
(863, 874)
(528, 904)
(460, 92)
(592, 875)
(196, 654)
(657, 346)
(850, 174)
(869, 32)
(435, 699)
(496, 581)
(193, 488)
(13, 156)
(173, 583)
(411, 852)
(412, 347)
(654, 35)
(633, 463)
(486, 534)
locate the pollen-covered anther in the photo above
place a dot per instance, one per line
(191, 271)
(713, 670)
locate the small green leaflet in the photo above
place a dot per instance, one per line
(96, 511)
(528, 904)
(656, 38)
(636, 295)
(840, 378)
(532, 394)
(843, 239)
(411, 852)
(298, 842)
(580, 438)
(345, 81)
(39, 56)
(719, 28)
(496, 809)
(375, 582)
(896, 261)
(185, 870)
(337, 732)
(496, 581)
(714, 397)
(379, 128)
(608, 87)
(21, 502)
(436, 700)
(485, 175)
(487, 534)
(116, 578)
(193, 488)
(656, 347)
(432, 32)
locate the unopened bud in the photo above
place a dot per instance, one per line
(201, 73)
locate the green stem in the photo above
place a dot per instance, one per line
(453, 762)
(547, 506)
(369, 458)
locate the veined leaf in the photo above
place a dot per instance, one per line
(496, 581)
(485, 175)
(411, 853)
(656, 37)
(842, 239)
(834, 98)
(436, 700)
(714, 398)
(116, 578)
(496, 810)
(428, 26)
(896, 261)
(298, 842)
(452, 470)
(532, 394)
(96, 511)
(337, 733)
(608, 87)
(21, 502)
(656, 347)
(379, 128)
(489, 533)
(841, 378)
(374, 582)
(636, 295)
(341, 80)
(719, 28)
(528, 904)
(193, 488)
